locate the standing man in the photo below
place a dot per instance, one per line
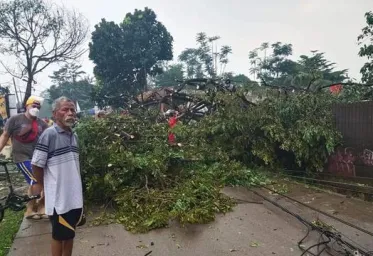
(24, 129)
(57, 170)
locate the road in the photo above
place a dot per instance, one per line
(251, 229)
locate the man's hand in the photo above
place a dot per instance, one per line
(39, 176)
(36, 189)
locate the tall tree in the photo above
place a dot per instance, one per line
(239, 80)
(366, 48)
(193, 65)
(38, 34)
(70, 72)
(309, 72)
(203, 61)
(169, 76)
(315, 71)
(68, 82)
(125, 54)
(255, 62)
(264, 47)
(274, 66)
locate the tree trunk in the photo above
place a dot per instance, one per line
(143, 81)
(28, 90)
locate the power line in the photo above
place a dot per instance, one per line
(368, 189)
(310, 174)
(310, 226)
(322, 212)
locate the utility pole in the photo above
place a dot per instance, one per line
(15, 91)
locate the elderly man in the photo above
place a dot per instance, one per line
(24, 129)
(56, 167)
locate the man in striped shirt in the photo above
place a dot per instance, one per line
(56, 168)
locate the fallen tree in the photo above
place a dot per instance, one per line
(129, 164)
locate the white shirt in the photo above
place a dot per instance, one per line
(57, 153)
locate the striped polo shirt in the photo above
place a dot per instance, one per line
(57, 153)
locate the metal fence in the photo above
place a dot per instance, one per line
(355, 157)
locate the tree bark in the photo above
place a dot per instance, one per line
(143, 81)
(28, 90)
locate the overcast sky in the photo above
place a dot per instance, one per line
(330, 26)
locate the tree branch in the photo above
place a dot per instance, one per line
(11, 72)
(286, 88)
(311, 82)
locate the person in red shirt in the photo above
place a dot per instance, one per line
(172, 121)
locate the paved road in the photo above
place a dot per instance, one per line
(251, 229)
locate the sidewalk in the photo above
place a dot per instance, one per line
(251, 229)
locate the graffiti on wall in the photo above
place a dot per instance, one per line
(367, 157)
(344, 160)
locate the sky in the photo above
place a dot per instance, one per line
(330, 26)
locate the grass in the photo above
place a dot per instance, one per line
(8, 230)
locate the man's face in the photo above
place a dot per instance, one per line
(33, 109)
(65, 114)
(33, 106)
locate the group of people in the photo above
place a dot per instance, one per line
(48, 158)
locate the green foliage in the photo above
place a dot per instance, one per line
(309, 72)
(125, 54)
(203, 61)
(67, 82)
(80, 91)
(240, 80)
(198, 200)
(316, 71)
(8, 230)
(151, 182)
(355, 93)
(168, 77)
(140, 210)
(69, 72)
(130, 162)
(278, 129)
(366, 48)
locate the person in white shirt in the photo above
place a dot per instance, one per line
(56, 167)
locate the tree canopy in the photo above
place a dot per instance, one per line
(366, 48)
(68, 82)
(205, 61)
(125, 54)
(309, 72)
(169, 76)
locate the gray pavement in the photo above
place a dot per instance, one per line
(251, 229)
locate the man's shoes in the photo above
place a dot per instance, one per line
(44, 216)
(41, 213)
(32, 216)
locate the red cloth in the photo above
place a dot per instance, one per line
(172, 122)
(335, 89)
(31, 135)
(171, 137)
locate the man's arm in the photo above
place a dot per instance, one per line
(4, 139)
(38, 173)
(7, 132)
(39, 162)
